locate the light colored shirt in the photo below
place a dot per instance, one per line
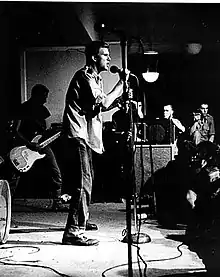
(80, 118)
(205, 127)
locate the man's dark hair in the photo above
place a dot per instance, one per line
(92, 49)
(197, 112)
(39, 89)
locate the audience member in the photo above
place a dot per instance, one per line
(203, 128)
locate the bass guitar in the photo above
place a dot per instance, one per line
(23, 158)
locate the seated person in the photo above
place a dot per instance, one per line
(122, 118)
(166, 130)
(203, 128)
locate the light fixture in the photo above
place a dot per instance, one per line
(151, 74)
(193, 48)
(150, 77)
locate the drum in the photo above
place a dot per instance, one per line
(5, 211)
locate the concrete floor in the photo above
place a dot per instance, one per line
(35, 249)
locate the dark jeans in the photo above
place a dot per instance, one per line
(53, 171)
(78, 177)
(46, 169)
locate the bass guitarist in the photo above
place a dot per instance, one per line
(32, 119)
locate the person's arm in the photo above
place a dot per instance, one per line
(113, 94)
(80, 97)
(212, 130)
(32, 145)
(178, 124)
(116, 92)
(87, 103)
(211, 138)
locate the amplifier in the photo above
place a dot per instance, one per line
(148, 159)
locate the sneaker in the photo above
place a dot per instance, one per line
(91, 226)
(79, 241)
(59, 206)
(65, 198)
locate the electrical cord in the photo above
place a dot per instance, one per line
(28, 264)
(37, 249)
(145, 261)
(139, 256)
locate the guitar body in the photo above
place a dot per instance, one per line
(23, 158)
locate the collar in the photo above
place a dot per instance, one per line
(90, 70)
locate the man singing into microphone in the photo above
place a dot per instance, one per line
(82, 122)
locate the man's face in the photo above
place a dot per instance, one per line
(42, 97)
(167, 111)
(197, 116)
(103, 59)
(204, 109)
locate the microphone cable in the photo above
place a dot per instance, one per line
(27, 263)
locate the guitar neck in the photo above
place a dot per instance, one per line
(49, 140)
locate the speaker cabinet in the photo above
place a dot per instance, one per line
(148, 159)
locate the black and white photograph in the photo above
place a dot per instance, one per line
(110, 139)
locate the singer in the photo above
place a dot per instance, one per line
(82, 122)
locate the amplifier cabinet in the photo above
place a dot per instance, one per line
(148, 159)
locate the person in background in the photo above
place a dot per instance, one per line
(125, 125)
(82, 122)
(175, 126)
(172, 126)
(203, 128)
(31, 120)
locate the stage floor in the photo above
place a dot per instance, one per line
(34, 248)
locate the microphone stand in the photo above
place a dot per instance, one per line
(129, 166)
(127, 172)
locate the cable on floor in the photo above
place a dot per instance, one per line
(145, 261)
(27, 264)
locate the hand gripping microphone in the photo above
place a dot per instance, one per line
(114, 69)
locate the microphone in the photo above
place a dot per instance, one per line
(114, 69)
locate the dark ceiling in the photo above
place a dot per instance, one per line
(168, 27)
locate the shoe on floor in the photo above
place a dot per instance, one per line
(79, 240)
(58, 206)
(91, 226)
(65, 198)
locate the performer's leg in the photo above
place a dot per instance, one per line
(81, 188)
(55, 177)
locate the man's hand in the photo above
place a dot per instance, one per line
(100, 98)
(34, 146)
(124, 75)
